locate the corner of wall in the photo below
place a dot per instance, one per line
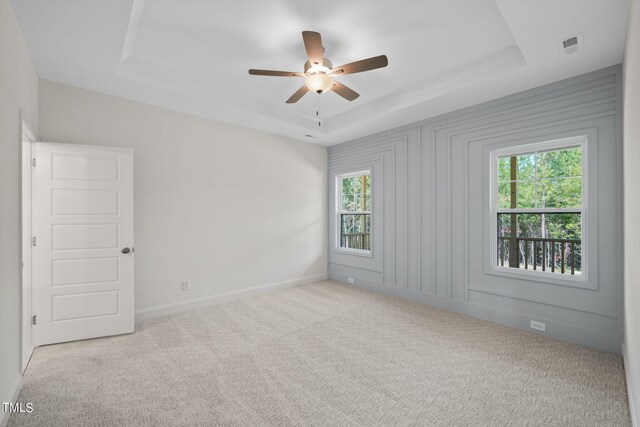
(631, 393)
(15, 392)
(18, 98)
(631, 144)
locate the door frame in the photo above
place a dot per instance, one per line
(26, 290)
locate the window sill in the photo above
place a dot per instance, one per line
(356, 252)
(543, 277)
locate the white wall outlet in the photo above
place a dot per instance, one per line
(538, 326)
(185, 285)
(351, 280)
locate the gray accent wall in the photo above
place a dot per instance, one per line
(431, 218)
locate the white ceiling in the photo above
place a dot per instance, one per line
(193, 55)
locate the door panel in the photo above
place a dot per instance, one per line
(85, 305)
(85, 236)
(86, 168)
(83, 218)
(84, 202)
(84, 271)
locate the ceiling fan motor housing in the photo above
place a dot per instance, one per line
(326, 66)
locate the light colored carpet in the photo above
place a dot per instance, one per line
(323, 354)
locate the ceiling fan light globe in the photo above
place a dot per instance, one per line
(318, 83)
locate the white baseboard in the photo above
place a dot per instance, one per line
(630, 392)
(177, 307)
(505, 316)
(17, 387)
(26, 357)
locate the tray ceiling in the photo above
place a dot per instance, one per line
(193, 56)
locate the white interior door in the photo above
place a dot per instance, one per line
(83, 242)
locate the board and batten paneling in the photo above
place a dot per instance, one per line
(431, 212)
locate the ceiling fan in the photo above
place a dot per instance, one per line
(319, 71)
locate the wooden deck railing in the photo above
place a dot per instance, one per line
(545, 253)
(356, 241)
(355, 221)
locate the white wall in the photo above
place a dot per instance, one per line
(225, 207)
(18, 90)
(631, 82)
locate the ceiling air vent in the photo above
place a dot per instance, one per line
(571, 44)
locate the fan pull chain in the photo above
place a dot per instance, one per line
(318, 111)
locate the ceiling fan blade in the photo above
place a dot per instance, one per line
(299, 94)
(313, 45)
(274, 73)
(362, 65)
(344, 91)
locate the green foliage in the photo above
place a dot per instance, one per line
(354, 199)
(549, 225)
(355, 229)
(356, 224)
(546, 179)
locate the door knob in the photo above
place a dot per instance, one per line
(126, 250)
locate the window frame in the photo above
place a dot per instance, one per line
(580, 280)
(340, 211)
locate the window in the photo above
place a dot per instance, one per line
(539, 207)
(354, 211)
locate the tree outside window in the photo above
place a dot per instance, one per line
(540, 210)
(354, 211)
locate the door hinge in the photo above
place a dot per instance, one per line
(33, 162)
(34, 319)
(33, 241)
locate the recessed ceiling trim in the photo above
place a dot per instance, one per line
(149, 72)
(192, 56)
(459, 77)
(132, 66)
(137, 9)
